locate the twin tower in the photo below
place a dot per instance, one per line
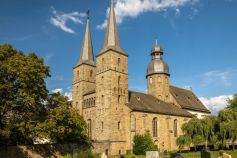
(108, 77)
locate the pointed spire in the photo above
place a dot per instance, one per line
(87, 49)
(111, 40)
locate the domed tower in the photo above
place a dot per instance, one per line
(158, 75)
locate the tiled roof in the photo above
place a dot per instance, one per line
(187, 99)
(148, 103)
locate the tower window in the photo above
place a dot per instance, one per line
(91, 73)
(159, 79)
(150, 80)
(77, 90)
(118, 61)
(102, 99)
(154, 127)
(102, 125)
(118, 99)
(119, 125)
(119, 80)
(103, 60)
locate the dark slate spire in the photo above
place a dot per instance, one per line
(111, 40)
(87, 56)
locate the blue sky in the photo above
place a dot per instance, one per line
(199, 38)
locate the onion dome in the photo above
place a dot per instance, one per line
(157, 64)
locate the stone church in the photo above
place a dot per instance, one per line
(114, 114)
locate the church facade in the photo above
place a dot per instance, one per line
(113, 113)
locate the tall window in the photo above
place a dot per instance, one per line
(119, 78)
(118, 61)
(133, 123)
(175, 128)
(119, 125)
(102, 99)
(89, 128)
(154, 127)
(102, 125)
(150, 80)
(118, 99)
(91, 73)
(159, 79)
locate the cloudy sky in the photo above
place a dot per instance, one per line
(199, 38)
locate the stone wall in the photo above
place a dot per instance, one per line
(165, 139)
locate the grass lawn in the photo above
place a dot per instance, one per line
(214, 154)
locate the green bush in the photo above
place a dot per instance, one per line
(143, 143)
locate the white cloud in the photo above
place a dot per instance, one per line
(60, 19)
(215, 104)
(69, 95)
(133, 8)
(60, 90)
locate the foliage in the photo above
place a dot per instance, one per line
(27, 111)
(232, 103)
(183, 141)
(22, 89)
(87, 154)
(63, 124)
(65, 156)
(143, 143)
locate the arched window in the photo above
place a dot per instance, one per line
(119, 78)
(103, 60)
(89, 127)
(118, 61)
(102, 99)
(78, 74)
(154, 127)
(102, 125)
(159, 79)
(133, 123)
(119, 125)
(91, 73)
(175, 128)
(118, 99)
(150, 80)
(94, 100)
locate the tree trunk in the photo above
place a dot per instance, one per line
(206, 145)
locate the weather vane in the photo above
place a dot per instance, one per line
(88, 13)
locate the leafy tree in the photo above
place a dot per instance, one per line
(27, 111)
(143, 143)
(22, 90)
(232, 103)
(198, 140)
(183, 141)
(62, 124)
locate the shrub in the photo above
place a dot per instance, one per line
(143, 143)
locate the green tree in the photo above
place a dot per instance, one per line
(22, 90)
(182, 141)
(198, 140)
(62, 124)
(232, 103)
(143, 143)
